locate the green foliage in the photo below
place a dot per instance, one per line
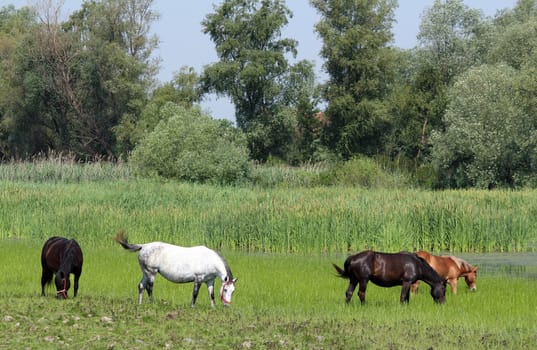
(253, 71)
(189, 145)
(447, 32)
(489, 140)
(272, 134)
(182, 90)
(355, 35)
(417, 104)
(364, 172)
(512, 38)
(73, 81)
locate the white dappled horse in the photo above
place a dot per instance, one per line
(181, 265)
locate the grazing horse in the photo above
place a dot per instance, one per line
(450, 268)
(388, 270)
(61, 256)
(181, 265)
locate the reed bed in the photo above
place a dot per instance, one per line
(301, 220)
(63, 168)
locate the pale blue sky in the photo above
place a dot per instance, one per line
(182, 42)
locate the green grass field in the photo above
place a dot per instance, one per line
(282, 301)
(280, 243)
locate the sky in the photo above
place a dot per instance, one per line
(182, 42)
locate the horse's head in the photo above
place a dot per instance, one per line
(438, 292)
(227, 289)
(62, 284)
(470, 278)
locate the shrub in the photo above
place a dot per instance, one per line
(364, 172)
(188, 145)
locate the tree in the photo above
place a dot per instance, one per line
(489, 140)
(512, 37)
(115, 69)
(189, 145)
(451, 40)
(253, 70)
(448, 33)
(182, 90)
(355, 35)
(75, 80)
(15, 26)
(417, 103)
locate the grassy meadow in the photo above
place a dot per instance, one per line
(282, 301)
(279, 242)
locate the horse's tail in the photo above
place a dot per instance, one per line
(121, 239)
(341, 273)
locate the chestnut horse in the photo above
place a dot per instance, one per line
(450, 268)
(61, 257)
(388, 270)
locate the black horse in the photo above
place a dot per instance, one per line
(388, 270)
(61, 256)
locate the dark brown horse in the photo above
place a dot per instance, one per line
(450, 268)
(61, 257)
(388, 270)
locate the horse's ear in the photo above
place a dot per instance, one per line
(235, 280)
(475, 268)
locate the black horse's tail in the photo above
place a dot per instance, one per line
(121, 239)
(341, 273)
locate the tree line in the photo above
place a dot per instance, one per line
(460, 107)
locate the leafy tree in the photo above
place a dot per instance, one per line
(417, 103)
(512, 35)
(182, 90)
(115, 69)
(253, 71)
(189, 145)
(451, 40)
(75, 80)
(355, 35)
(489, 140)
(448, 32)
(15, 25)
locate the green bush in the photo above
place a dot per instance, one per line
(362, 172)
(188, 145)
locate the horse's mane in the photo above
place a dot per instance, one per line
(228, 269)
(69, 254)
(461, 263)
(428, 267)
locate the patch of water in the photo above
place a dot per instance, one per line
(520, 265)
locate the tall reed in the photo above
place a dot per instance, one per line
(324, 219)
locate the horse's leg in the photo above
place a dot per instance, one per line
(77, 277)
(146, 283)
(195, 292)
(350, 290)
(405, 292)
(46, 277)
(414, 288)
(210, 290)
(361, 290)
(141, 288)
(453, 283)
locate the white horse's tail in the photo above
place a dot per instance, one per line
(121, 239)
